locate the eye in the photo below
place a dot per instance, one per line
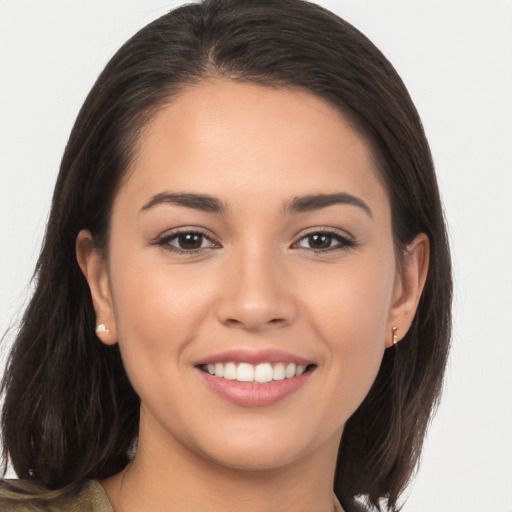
(323, 241)
(186, 242)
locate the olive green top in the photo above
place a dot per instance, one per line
(23, 496)
(85, 496)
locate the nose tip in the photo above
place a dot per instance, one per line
(253, 318)
(256, 301)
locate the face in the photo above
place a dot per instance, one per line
(251, 280)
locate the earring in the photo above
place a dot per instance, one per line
(395, 337)
(102, 328)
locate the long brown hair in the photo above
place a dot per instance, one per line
(70, 412)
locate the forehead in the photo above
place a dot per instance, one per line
(222, 135)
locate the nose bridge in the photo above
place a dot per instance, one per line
(254, 292)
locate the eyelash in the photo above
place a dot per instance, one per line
(344, 243)
(165, 241)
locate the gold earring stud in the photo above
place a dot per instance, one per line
(395, 337)
(101, 328)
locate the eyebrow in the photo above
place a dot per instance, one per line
(300, 204)
(201, 202)
(318, 201)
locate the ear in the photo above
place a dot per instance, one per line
(409, 286)
(94, 267)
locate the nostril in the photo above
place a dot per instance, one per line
(233, 322)
(253, 323)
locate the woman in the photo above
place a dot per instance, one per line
(243, 297)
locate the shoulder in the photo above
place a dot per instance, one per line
(24, 496)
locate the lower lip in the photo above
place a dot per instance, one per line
(252, 394)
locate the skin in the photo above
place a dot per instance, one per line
(255, 283)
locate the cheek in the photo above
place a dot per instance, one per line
(351, 304)
(158, 309)
(148, 291)
(350, 316)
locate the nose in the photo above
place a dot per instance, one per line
(256, 293)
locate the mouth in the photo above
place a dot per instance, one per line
(261, 373)
(251, 379)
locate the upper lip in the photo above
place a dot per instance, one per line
(254, 357)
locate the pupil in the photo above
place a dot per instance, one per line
(190, 241)
(320, 241)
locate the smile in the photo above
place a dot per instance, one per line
(260, 373)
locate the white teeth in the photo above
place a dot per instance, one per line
(230, 371)
(261, 373)
(219, 370)
(279, 372)
(245, 372)
(300, 370)
(290, 371)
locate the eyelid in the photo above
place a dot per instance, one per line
(345, 240)
(164, 239)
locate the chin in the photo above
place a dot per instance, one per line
(257, 459)
(258, 451)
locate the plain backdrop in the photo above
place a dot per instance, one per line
(455, 57)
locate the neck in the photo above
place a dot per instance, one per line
(165, 475)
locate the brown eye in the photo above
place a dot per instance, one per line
(186, 242)
(319, 241)
(324, 241)
(190, 241)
